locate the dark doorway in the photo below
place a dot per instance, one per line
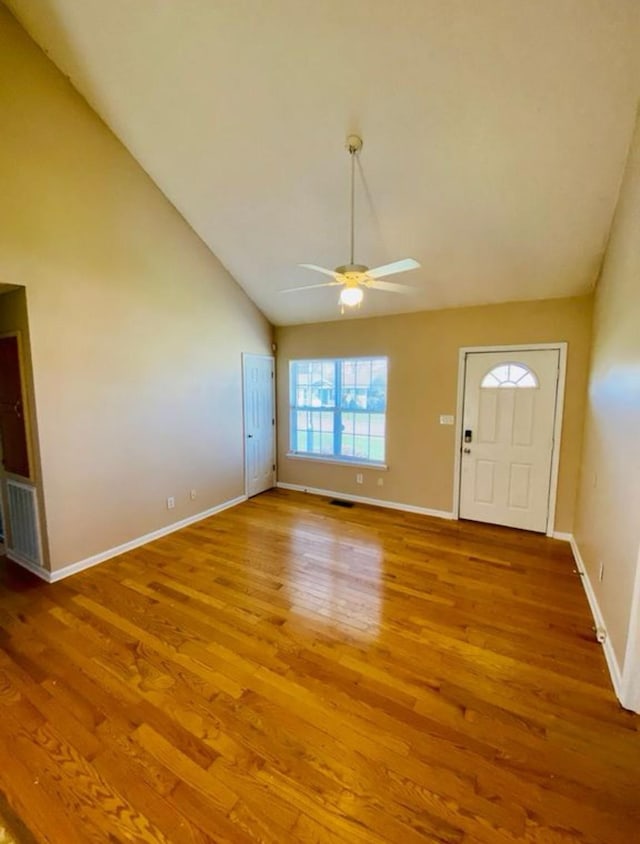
(13, 432)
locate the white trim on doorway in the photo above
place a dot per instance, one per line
(630, 683)
(557, 429)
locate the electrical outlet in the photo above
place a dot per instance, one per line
(171, 502)
(359, 478)
(446, 419)
(601, 572)
(193, 495)
(380, 481)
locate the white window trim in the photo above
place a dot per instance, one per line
(335, 461)
(332, 458)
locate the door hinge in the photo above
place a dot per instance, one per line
(274, 467)
(273, 421)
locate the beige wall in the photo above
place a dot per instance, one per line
(423, 373)
(136, 328)
(608, 518)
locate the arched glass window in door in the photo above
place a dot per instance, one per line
(510, 375)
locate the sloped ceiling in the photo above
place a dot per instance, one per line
(495, 133)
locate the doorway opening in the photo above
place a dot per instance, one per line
(20, 526)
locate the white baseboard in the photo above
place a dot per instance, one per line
(564, 537)
(43, 574)
(81, 565)
(599, 622)
(361, 499)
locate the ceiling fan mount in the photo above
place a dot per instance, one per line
(354, 277)
(354, 144)
(351, 270)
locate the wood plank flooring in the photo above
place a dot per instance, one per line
(291, 671)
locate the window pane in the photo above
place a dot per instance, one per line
(322, 393)
(510, 375)
(527, 380)
(326, 422)
(348, 423)
(348, 400)
(363, 373)
(347, 447)
(377, 424)
(377, 398)
(362, 423)
(348, 373)
(361, 447)
(313, 432)
(501, 372)
(313, 383)
(364, 384)
(377, 449)
(378, 389)
(490, 380)
(379, 371)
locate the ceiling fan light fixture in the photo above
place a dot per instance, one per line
(351, 296)
(355, 277)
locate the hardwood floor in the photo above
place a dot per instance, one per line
(293, 671)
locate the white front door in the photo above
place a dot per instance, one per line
(259, 422)
(507, 444)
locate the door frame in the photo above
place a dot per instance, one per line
(557, 425)
(244, 356)
(630, 681)
(4, 540)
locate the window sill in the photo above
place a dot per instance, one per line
(362, 464)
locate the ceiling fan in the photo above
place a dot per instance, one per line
(352, 277)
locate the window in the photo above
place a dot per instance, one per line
(338, 408)
(510, 375)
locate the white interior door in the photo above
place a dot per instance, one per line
(509, 413)
(259, 422)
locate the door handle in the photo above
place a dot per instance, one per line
(249, 436)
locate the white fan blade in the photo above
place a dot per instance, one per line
(309, 287)
(397, 267)
(318, 269)
(390, 286)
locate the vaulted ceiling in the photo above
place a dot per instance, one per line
(495, 133)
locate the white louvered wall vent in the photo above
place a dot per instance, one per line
(24, 528)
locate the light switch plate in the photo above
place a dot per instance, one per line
(445, 419)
